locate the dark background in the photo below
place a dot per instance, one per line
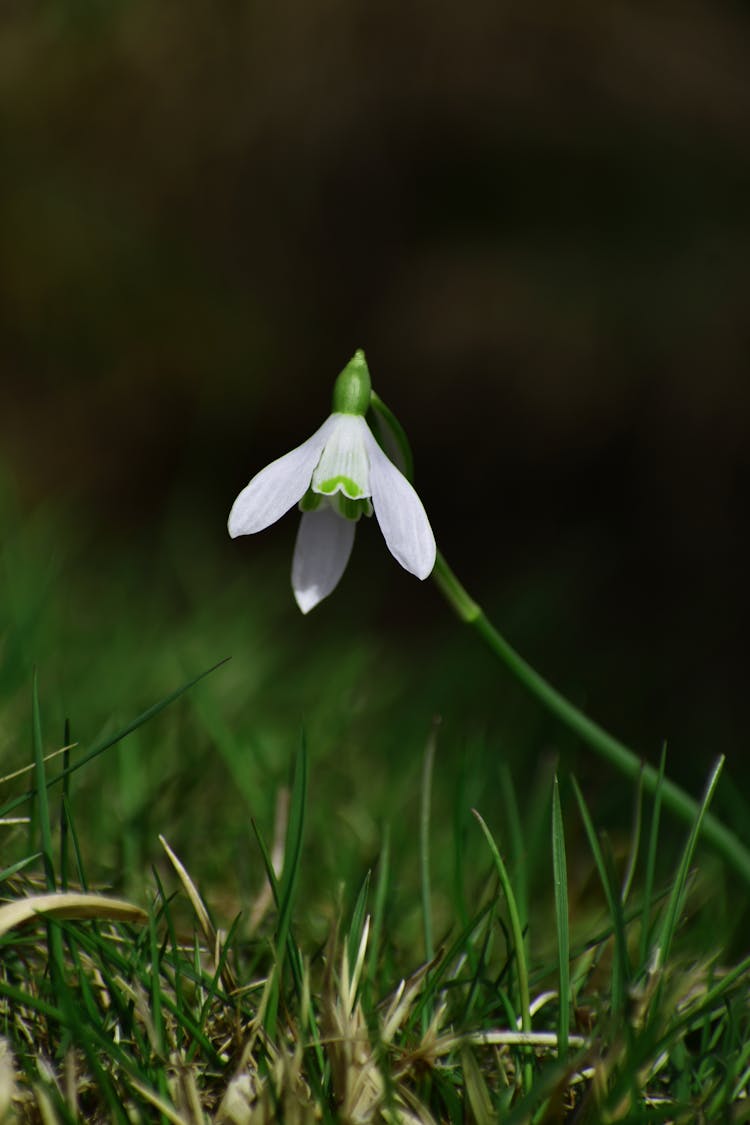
(534, 217)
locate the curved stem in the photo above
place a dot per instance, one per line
(600, 741)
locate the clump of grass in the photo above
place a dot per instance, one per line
(520, 1011)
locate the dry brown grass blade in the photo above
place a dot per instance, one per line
(185, 1093)
(403, 998)
(159, 1103)
(47, 1113)
(32, 765)
(412, 1112)
(68, 905)
(213, 940)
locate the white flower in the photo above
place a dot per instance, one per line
(335, 474)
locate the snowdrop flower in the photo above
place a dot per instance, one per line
(336, 476)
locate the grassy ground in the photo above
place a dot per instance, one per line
(282, 891)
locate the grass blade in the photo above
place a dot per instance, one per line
(620, 971)
(653, 843)
(679, 888)
(112, 740)
(42, 803)
(381, 895)
(559, 866)
(630, 867)
(229, 979)
(67, 904)
(516, 840)
(424, 841)
(518, 942)
(64, 805)
(358, 921)
(156, 1013)
(285, 888)
(54, 937)
(293, 848)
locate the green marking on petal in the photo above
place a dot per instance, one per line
(353, 509)
(310, 501)
(339, 483)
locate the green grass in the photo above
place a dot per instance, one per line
(155, 1011)
(274, 888)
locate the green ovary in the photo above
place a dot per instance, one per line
(346, 484)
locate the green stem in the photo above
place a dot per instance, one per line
(600, 741)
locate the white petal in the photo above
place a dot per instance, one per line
(324, 543)
(343, 466)
(275, 489)
(400, 513)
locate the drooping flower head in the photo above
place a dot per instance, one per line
(336, 476)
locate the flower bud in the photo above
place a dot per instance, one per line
(352, 389)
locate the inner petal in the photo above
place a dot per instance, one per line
(344, 465)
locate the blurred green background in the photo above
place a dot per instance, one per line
(536, 220)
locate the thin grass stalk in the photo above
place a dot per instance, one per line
(94, 1044)
(381, 897)
(627, 880)
(358, 920)
(282, 893)
(424, 843)
(620, 964)
(288, 881)
(73, 839)
(478, 970)
(563, 926)
(65, 800)
(517, 845)
(442, 967)
(166, 914)
(156, 1013)
(460, 803)
(112, 740)
(653, 845)
(677, 897)
(518, 942)
(54, 937)
(42, 802)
